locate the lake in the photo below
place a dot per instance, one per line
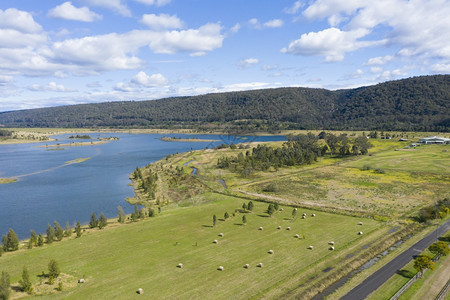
(48, 189)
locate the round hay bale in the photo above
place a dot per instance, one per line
(331, 248)
(220, 268)
(246, 266)
(260, 228)
(281, 209)
(331, 243)
(288, 228)
(260, 265)
(296, 236)
(360, 223)
(180, 265)
(360, 233)
(279, 227)
(140, 291)
(303, 217)
(270, 252)
(313, 215)
(295, 208)
(221, 234)
(215, 241)
(310, 247)
(81, 280)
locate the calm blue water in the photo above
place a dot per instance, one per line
(50, 190)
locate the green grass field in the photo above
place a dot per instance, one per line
(116, 262)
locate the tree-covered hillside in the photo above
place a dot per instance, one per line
(419, 103)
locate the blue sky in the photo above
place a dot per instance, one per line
(82, 51)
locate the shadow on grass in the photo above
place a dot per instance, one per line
(210, 226)
(263, 216)
(238, 224)
(405, 273)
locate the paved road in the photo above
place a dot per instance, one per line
(379, 277)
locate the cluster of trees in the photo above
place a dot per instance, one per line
(25, 283)
(422, 262)
(147, 183)
(414, 104)
(78, 136)
(437, 211)
(101, 222)
(5, 133)
(298, 150)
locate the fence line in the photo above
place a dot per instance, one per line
(442, 293)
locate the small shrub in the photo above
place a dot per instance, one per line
(379, 171)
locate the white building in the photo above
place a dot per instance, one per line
(434, 140)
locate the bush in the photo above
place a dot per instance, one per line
(379, 171)
(271, 188)
(53, 269)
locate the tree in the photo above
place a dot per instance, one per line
(78, 229)
(423, 262)
(151, 212)
(135, 214)
(214, 220)
(226, 215)
(59, 232)
(102, 222)
(276, 206)
(5, 243)
(53, 268)
(4, 286)
(25, 282)
(244, 206)
(40, 241)
(50, 234)
(33, 239)
(439, 248)
(244, 219)
(121, 214)
(250, 205)
(67, 230)
(270, 209)
(294, 213)
(93, 222)
(12, 241)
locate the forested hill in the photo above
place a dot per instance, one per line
(414, 104)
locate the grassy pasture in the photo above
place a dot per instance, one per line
(116, 262)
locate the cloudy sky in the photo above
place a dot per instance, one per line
(80, 51)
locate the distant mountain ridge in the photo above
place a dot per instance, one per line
(413, 104)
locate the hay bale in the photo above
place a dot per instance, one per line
(281, 209)
(288, 228)
(279, 227)
(313, 215)
(360, 223)
(303, 217)
(360, 233)
(220, 268)
(260, 265)
(260, 228)
(215, 241)
(310, 247)
(221, 234)
(270, 252)
(331, 243)
(81, 280)
(180, 265)
(295, 208)
(246, 266)
(296, 236)
(140, 291)
(331, 248)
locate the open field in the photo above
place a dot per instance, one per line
(116, 262)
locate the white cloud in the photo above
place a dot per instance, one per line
(269, 67)
(52, 87)
(206, 38)
(5, 80)
(69, 12)
(420, 28)
(245, 63)
(236, 28)
(123, 87)
(332, 43)
(443, 68)
(273, 23)
(18, 20)
(11, 38)
(162, 21)
(294, 8)
(376, 70)
(142, 79)
(114, 5)
(154, 2)
(379, 60)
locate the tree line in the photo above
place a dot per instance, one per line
(297, 150)
(413, 104)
